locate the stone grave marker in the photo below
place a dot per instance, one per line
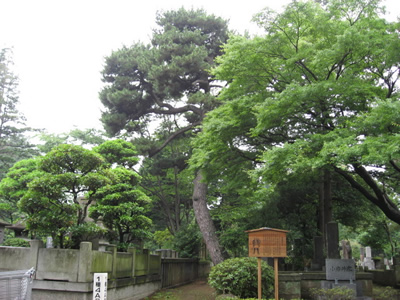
(362, 254)
(340, 269)
(368, 262)
(49, 242)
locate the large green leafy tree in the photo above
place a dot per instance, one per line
(55, 191)
(14, 145)
(169, 77)
(317, 93)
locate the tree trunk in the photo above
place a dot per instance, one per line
(204, 220)
(325, 204)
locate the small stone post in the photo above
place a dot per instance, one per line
(113, 249)
(132, 250)
(147, 253)
(85, 262)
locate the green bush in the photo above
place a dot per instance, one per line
(238, 276)
(16, 242)
(386, 293)
(337, 293)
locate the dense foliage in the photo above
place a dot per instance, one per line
(55, 191)
(304, 131)
(315, 98)
(16, 242)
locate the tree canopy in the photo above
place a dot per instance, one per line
(55, 192)
(317, 93)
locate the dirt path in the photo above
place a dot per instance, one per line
(198, 290)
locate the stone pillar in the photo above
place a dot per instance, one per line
(132, 250)
(35, 246)
(147, 258)
(85, 262)
(396, 267)
(113, 249)
(318, 258)
(332, 234)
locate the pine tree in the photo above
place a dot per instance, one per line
(14, 145)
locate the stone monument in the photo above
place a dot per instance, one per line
(318, 258)
(340, 273)
(332, 237)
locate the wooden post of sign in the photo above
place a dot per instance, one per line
(276, 278)
(259, 278)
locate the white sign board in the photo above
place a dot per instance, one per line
(100, 286)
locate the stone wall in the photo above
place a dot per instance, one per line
(68, 273)
(386, 277)
(310, 280)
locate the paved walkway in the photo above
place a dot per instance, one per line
(198, 290)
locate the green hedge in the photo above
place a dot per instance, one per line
(16, 242)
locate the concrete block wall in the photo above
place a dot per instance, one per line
(68, 273)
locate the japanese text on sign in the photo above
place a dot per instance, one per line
(267, 243)
(100, 286)
(340, 269)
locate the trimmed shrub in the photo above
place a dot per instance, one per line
(238, 276)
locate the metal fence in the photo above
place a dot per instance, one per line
(16, 285)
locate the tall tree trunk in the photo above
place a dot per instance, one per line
(328, 197)
(325, 203)
(204, 220)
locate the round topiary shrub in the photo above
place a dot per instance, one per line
(238, 276)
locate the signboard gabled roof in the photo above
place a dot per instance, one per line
(267, 229)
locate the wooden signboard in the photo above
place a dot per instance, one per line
(267, 242)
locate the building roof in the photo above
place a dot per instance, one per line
(4, 223)
(18, 225)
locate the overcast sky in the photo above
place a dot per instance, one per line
(59, 48)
